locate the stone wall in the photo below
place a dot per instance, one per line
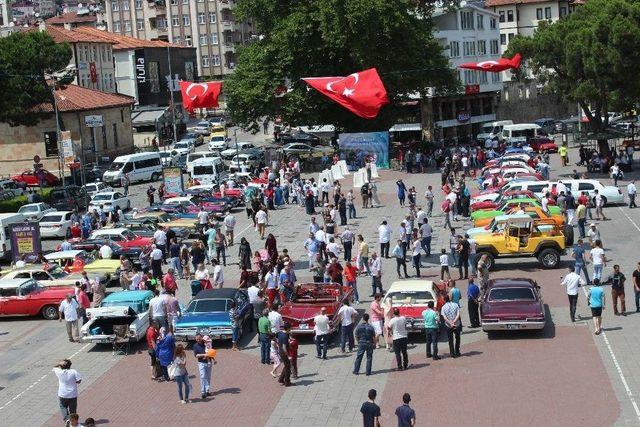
(523, 103)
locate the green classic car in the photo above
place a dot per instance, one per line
(511, 207)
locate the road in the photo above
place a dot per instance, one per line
(564, 376)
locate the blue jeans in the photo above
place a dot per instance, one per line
(346, 333)
(454, 258)
(351, 210)
(362, 348)
(180, 380)
(353, 285)
(580, 267)
(205, 377)
(365, 261)
(322, 342)
(175, 264)
(265, 344)
(597, 271)
(432, 342)
(426, 245)
(472, 264)
(235, 334)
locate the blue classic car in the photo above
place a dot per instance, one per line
(208, 314)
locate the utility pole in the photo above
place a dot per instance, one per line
(58, 141)
(235, 137)
(173, 105)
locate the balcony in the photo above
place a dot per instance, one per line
(229, 47)
(226, 4)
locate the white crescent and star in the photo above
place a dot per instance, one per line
(487, 64)
(202, 85)
(347, 91)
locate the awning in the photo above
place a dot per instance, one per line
(145, 118)
(406, 127)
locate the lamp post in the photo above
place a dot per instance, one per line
(58, 141)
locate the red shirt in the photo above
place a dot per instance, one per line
(350, 273)
(293, 348)
(169, 283)
(83, 300)
(76, 232)
(152, 337)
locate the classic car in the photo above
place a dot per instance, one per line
(27, 297)
(146, 228)
(507, 195)
(56, 224)
(208, 314)
(512, 304)
(411, 297)
(534, 212)
(30, 178)
(508, 175)
(155, 216)
(91, 245)
(119, 308)
(52, 275)
(541, 144)
(77, 261)
(308, 299)
(122, 236)
(511, 205)
(35, 211)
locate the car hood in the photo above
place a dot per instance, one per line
(413, 311)
(195, 320)
(477, 230)
(136, 243)
(304, 311)
(58, 292)
(512, 308)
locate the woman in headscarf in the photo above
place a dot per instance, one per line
(310, 203)
(279, 196)
(244, 252)
(165, 350)
(271, 246)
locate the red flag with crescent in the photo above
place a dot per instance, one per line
(362, 93)
(200, 95)
(492, 66)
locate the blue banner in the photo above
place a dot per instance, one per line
(356, 148)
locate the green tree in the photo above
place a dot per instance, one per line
(590, 57)
(332, 38)
(25, 59)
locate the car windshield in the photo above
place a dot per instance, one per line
(51, 218)
(218, 139)
(101, 197)
(181, 145)
(410, 297)
(137, 306)
(511, 294)
(116, 166)
(165, 154)
(196, 156)
(208, 305)
(129, 235)
(56, 272)
(203, 170)
(29, 208)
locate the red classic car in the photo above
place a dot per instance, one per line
(512, 304)
(411, 297)
(543, 144)
(30, 178)
(308, 299)
(509, 195)
(26, 297)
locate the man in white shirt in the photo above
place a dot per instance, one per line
(375, 268)
(398, 329)
(598, 259)
(69, 307)
(346, 316)
(68, 380)
(105, 251)
(544, 202)
(203, 217)
(572, 282)
(218, 274)
(261, 220)
(252, 292)
(156, 261)
(420, 215)
(158, 309)
(599, 202)
(452, 197)
(428, 195)
(631, 192)
(325, 187)
(275, 318)
(426, 232)
(322, 330)
(334, 248)
(384, 237)
(229, 224)
(160, 239)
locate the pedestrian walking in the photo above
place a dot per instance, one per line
(68, 309)
(346, 316)
(348, 239)
(402, 191)
(636, 286)
(351, 207)
(426, 232)
(370, 411)
(598, 259)
(350, 273)
(375, 268)
(283, 352)
(429, 197)
(152, 341)
(453, 247)
(463, 257)
(473, 303)
(181, 376)
(400, 260)
(581, 215)
(365, 336)
(125, 183)
(68, 380)
(264, 333)
(631, 193)
(444, 264)
(293, 355)
(451, 316)
(579, 266)
(165, 350)
(617, 280)
(431, 327)
(321, 330)
(572, 282)
(363, 255)
(416, 246)
(384, 239)
(598, 201)
(596, 298)
(398, 330)
(406, 415)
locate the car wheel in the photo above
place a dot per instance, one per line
(155, 176)
(567, 230)
(50, 312)
(490, 258)
(549, 258)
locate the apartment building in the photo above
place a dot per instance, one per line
(207, 25)
(5, 12)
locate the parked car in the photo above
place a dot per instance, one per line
(30, 178)
(508, 206)
(197, 138)
(411, 298)
(56, 224)
(110, 201)
(208, 314)
(242, 147)
(542, 143)
(93, 188)
(184, 147)
(168, 158)
(35, 211)
(610, 194)
(249, 160)
(146, 228)
(305, 150)
(10, 186)
(299, 137)
(138, 167)
(129, 308)
(202, 128)
(512, 304)
(69, 197)
(217, 121)
(27, 297)
(123, 237)
(52, 275)
(76, 261)
(309, 299)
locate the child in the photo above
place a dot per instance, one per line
(293, 355)
(444, 264)
(275, 358)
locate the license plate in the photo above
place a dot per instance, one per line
(304, 326)
(513, 326)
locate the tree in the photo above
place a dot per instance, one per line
(590, 57)
(25, 59)
(333, 38)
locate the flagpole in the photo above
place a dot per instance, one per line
(173, 105)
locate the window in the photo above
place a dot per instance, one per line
(495, 77)
(185, 1)
(127, 26)
(154, 77)
(205, 60)
(466, 20)
(480, 20)
(212, 17)
(585, 186)
(493, 23)
(115, 6)
(547, 13)
(214, 38)
(509, 15)
(539, 13)
(177, 40)
(186, 21)
(501, 13)
(175, 21)
(201, 18)
(138, 4)
(454, 49)
(503, 39)
(470, 77)
(494, 46)
(174, 2)
(511, 36)
(216, 60)
(468, 48)
(484, 77)
(563, 12)
(203, 39)
(482, 47)
(139, 24)
(188, 41)
(125, 5)
(116, 26)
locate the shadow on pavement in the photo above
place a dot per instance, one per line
(230, 390)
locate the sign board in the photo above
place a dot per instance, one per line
(355, 148)
(67, 146)
(471, 89)
(93, 121)
(51, 144)
(25, 240)
(173, 182)
(141, 69)
(463, 117)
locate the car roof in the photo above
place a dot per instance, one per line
(511, 282)
(128, 296)
(178, 199)
(106, 231)
(514, 216)
(229, 293)
(56, 213)
(412, 285)
(64, 254)
(12, 283)
(108, 192)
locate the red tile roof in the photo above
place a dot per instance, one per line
(62, 35)
(70, 18)
(124, 42)
(75, 98)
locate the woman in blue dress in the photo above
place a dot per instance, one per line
(402, 191)
(164, 351)
(279, 196)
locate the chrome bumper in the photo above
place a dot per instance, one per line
(511, 326)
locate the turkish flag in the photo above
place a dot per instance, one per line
(494, 66)
(200, 95)
(362, 93)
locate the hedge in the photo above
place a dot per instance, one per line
(12, 205)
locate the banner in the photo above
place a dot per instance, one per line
(67, 147)
(356, 148)
(173, 182)
(25, 240)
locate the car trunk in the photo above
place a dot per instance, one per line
(99, 329)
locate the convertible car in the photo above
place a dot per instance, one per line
(308, 299)
(411, 298)
(512, 304)
(500, 199)
(511, 206)
(76, 261)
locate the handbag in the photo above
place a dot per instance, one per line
(173, 370)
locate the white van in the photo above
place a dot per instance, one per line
(6, 219)
(206, 170)
(139, 167)
(192, 157)
(491, 130)
(522, 132)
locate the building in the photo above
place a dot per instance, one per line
(92, 57)
(71, 20)
(5, 13)
(209, 26)
(21, 143)
(44, 8)
(468, 34)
